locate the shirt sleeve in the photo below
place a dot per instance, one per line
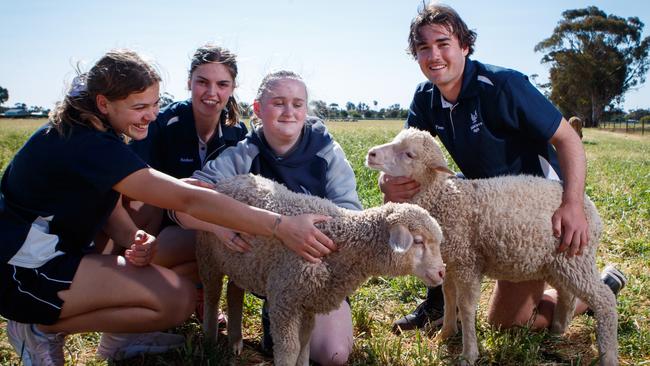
(233, 161)
(416, 116)
(102, 159)
(341, 186)
(525, 108)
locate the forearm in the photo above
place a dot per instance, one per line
(573, 163)
(120, 227)
(189, 222)
(230, 213)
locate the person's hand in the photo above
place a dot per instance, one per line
(198, 183)
(299, 234)
(570, 226)
(142, 250)
(239, 242)
(398, 189)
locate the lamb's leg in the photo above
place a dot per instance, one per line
(449, 323)
(563, 312)
(211, 294)
(285, 330)
(468, 294)
(235, 297)
(306, 327)
(584, 281)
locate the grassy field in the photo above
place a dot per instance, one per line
(618, 181)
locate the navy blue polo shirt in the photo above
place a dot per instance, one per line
(172, 144)
(500, 124)
(57, 192)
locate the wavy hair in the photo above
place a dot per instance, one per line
(439, 14)
(116, 75)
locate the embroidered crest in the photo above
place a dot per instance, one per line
(476, 124)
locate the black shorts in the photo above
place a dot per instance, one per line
(29, 295)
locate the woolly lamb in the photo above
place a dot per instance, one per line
(499, 227)
(393, 239)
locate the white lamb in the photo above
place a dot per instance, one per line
(393, 239)
(499, 227)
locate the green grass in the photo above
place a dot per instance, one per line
(618, 182)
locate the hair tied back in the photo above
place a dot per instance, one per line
(78, 87)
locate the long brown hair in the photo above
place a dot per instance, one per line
(116, 75)
(211, 53)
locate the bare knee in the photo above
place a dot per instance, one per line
(516, 304)
(178, 305)
(333, 354)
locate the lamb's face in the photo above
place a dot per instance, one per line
(395, 158)
(412, 153)
(415, 238)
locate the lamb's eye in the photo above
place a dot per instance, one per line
(410, 155)
(418, 239)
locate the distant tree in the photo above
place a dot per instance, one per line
(393, 111)
(595, 58)
(362, 107)
(349, 106)
(333, 111)
(245, 109)
(166, 99)
(613, 115)
(637, 114)
(4, 95)
(20, 105)
(320, 108)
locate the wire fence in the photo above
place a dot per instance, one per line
(624, 126)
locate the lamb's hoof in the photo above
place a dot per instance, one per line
(468, 360)
(237, 347)
(443, 335)
(557, 329)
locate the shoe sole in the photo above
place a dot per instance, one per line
(137, 351)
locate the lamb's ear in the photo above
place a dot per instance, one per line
(444, 169)
(400, 238)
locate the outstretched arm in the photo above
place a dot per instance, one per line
(159, 189)
(569, 220)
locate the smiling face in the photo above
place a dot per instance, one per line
(131, 116)
(441, 59)
(211, 85)
(283, 110)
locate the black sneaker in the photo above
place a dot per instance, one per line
(426, 315)
(614, 279)
(267, 341)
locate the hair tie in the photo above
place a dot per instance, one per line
(78, 86)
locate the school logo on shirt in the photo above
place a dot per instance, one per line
(476, 124)
(187, 160)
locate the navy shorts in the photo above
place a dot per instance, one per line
(29, 295)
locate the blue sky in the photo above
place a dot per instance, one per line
(350, 50)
